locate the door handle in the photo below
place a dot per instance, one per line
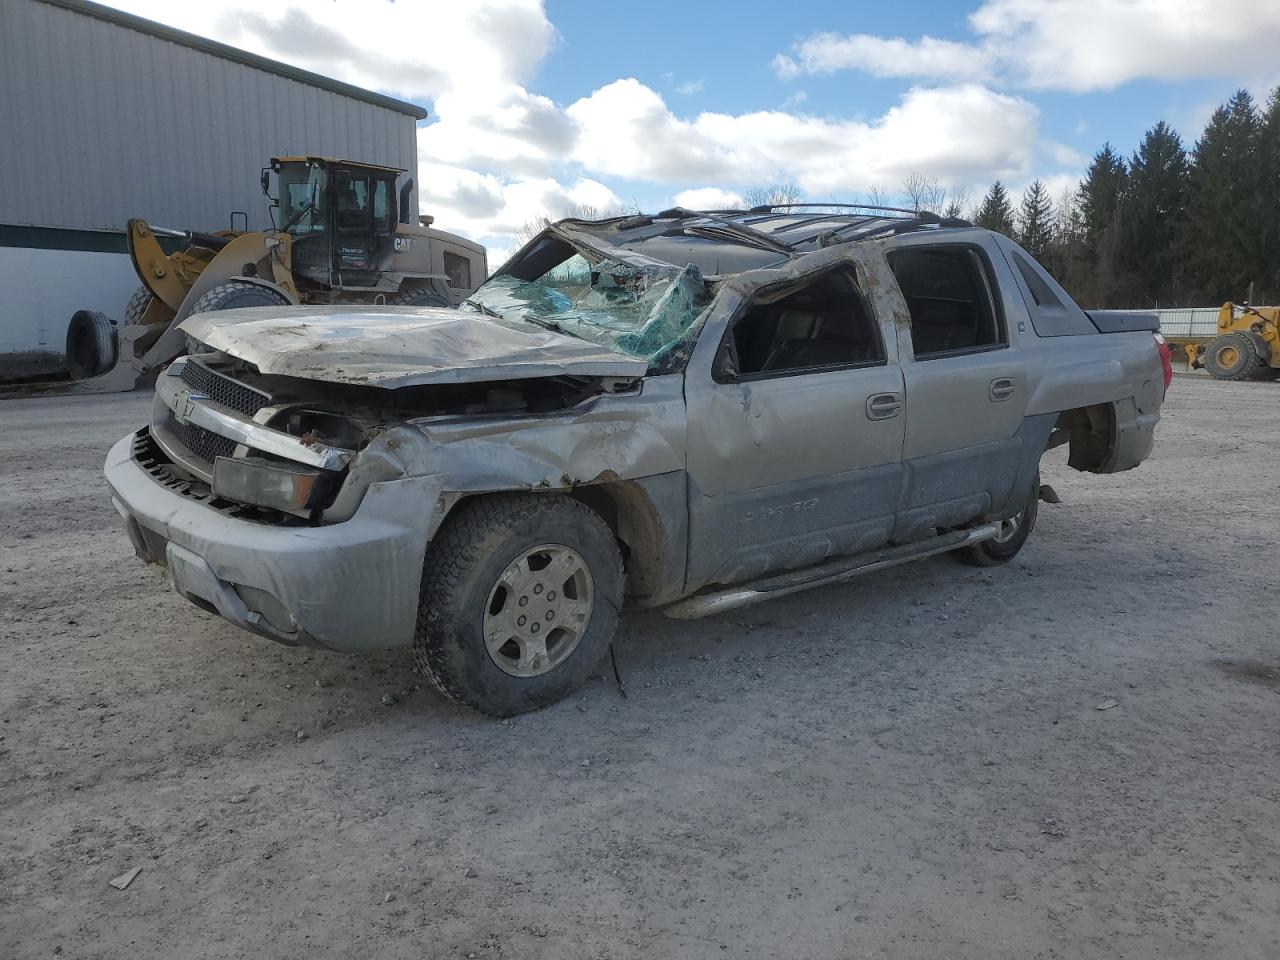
(884, 406)
(1001, 389)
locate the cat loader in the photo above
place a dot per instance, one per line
(344, 235)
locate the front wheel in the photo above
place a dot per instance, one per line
(519, 602)
(1004, 546)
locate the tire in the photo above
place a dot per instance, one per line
(1014, 533)
(1233, 356)
(472, 602)
(91, 344)
(418, 297)
(137, 306)
(237, 293)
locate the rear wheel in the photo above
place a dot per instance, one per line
(1233, 356)
(1004, 546)
(237, 293)
(91, 344)
(418, 297)
(519, 601)
(137, 306)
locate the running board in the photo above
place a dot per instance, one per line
(833, 571)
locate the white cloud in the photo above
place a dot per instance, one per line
(486, 206)
(690, 87)
(418, 49)
(956, 134)
(1078, 46)
(710, 198)
(927, 57)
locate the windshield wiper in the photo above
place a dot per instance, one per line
(546, 324)
(487, 311)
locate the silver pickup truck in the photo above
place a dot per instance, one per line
(691, 411)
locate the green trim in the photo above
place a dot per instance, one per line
(226, 52)
(57, 238)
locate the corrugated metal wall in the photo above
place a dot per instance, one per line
(100, 123)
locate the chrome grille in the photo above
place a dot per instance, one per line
(223, 390)
(205, 444)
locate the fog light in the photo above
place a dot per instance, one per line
(290, 487)
(263, 605)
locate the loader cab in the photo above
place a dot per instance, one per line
(342, 217)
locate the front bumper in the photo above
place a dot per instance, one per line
(349, 586)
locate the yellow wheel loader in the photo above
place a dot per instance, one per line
(1246, 345)
(344, 236)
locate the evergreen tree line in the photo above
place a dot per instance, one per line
(1169, 227)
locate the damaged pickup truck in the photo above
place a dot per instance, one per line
(690, 411)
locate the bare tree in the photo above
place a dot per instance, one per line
(773, 195)
(923, 193)
(958, 204)
(878, 196)
(575, 211)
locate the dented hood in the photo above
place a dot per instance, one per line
(401, 346)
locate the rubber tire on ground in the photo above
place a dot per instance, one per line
(989, 553)
(91, 344)
(236, 293)
(418, 297)
(1247, 367)
(137, 306)
(463, 563)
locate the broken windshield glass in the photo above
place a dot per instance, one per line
(639, 310)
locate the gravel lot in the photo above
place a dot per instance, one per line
(911, 765)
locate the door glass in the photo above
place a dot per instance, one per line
(353, 200)
(825, 324)
(947, 295)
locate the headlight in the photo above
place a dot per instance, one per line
(291, 487)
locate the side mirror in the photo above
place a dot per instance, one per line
(406, 194)
(265, 180)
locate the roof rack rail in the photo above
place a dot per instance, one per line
(769, 207)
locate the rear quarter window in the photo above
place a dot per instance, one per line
(1053, 313)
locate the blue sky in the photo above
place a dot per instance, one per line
(548, 109)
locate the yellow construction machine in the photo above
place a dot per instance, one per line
(345, 235)
(1245, 346)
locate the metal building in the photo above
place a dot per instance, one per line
(107, 116)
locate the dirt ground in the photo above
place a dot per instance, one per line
(915, 764)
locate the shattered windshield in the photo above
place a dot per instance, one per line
(639, 310)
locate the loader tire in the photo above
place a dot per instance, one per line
(1233, 356)
(418, 297)
(519, 601)
(237, 293)
(91, 344)
(137, 306)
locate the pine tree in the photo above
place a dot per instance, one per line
(1099, 198)
(996, 213)
(1222, 236)
(1035, 221)
(1269, 198)
(1153, 202)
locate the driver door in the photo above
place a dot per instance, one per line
(795, 433)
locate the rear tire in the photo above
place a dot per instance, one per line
(505, 565)
(1233, 356)
(418, 297)
(137, 306)
(1013, 534)
(237, 293)
(91, 344)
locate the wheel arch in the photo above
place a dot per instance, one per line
(647, 518)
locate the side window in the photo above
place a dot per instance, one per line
(824, 324)
(458, 270)
(950, 302)
(353, 201)
(381, 208)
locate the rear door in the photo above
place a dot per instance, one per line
(966, 385)
(795, 430)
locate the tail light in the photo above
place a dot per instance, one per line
(1166, 359)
